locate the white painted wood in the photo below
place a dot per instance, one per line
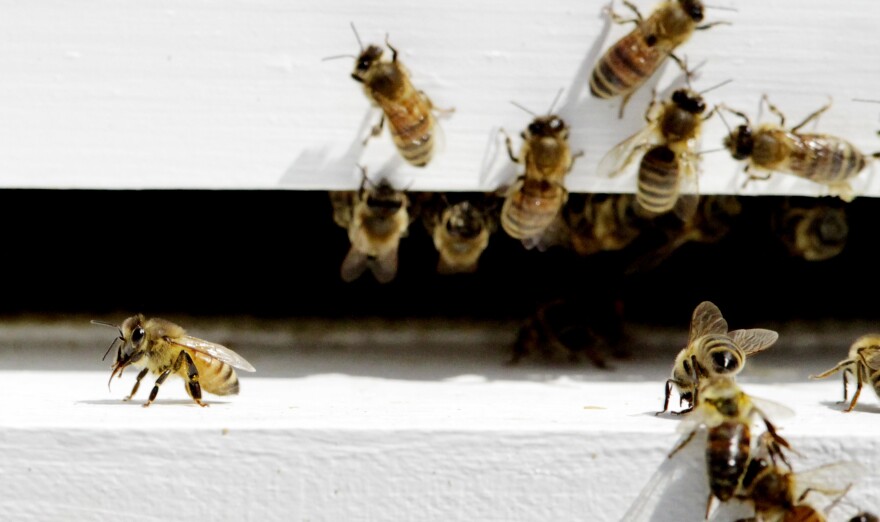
(372, 421)
(233, 93)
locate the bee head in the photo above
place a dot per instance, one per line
(133, 334)
(464, 220)
(831, 227)
(384, 200)
(693, 8)
(689, 101)
(740, 142)
(365, 61)
(546, 126)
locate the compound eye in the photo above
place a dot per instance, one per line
(724, 361)
(534, 128)
(137, 335)
(555, 124)
(363, 65)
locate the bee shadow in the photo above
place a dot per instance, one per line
(140, 403)
(860, 407)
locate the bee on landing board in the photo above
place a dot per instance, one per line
(814, 231)
(164, 348)
(460, 232)
(820, 158)
(633, 59)
(711, 352)
(669, 166)
(727, 413)
(534, 201)
(375, 218)
(863, 362)
(408, 110)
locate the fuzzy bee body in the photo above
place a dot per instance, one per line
(460, 237)
(863, 363)
(531, 206)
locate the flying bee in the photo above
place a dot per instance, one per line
(409, 111)
(820, 158)
(602, 222)
(164, 348)
(376, 221)
(461, 233)
(814, 231)
(864, 362)
(727, 413)
(712, 351)
(779, 494)
(669, 167)
(633, 59)
(532, 204)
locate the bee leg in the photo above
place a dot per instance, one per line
(651, 106)
(431, 106)
(777, 112)
(667, 394)
(855, 398)
(844, 386)
(623, 104)
(193, 388)
(137, 384)
(509, 144)
(709, 502)
(158, 383)
(711, 25)
(682, 444)
(682, 63)
(711, 113)
(616, 18)
(811, 117)
(393, 50)
(574, 157)
(375, 131)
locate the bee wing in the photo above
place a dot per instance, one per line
(688, 187)
(353, 265)
(871, 354)
(829, 482)
(683, 476)
(753, 340)
(384, 267)
(707, 319)
(771, 410)
(343, 203)
(624, 153)
(217, 351)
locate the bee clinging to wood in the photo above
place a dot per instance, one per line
(813, 230)
(461, 233)
(712, 351)
(408, 110)
(602, 222)
(667, 146)
(633, 59)
(534, 201)
(863, 363)
(164, 348)
(821, 158)
(375, 218)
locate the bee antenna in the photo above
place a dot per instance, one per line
(717, 86)
(723, 119)
(523, 108)
(338, 56)
(722, 8)
(708, 151)
(112, 344)
(357, 36)
(865, 100)
(365, 180)
(555, 100)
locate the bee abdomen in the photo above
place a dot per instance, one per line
(727, 451)
(530, 209)
(803, 513)
(658, 180)
(219, 378)
(624, 66)
(412, 128)
(827, 159)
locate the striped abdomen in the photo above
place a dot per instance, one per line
(530, 207)
(727, 451)
(718, 354)
(215, 376)
(658, 180)
(412, 125)
(626, 65)
(803, 513)
(816, 157)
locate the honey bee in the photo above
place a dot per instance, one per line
(667, 175)
(821, 158)
(864, 362)
(712, 351)
(376, 220)
(602, 222)
(164, 348)
(409, 111)
(864, 517)
(633, 59)
(534, 201)
(814, 231)
(461, 234)
(727, 414)
(778, 494)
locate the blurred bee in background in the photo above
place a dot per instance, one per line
(864, 517)
(164, 348)
(777, 493)
(602, 222)
(408, 110)
(811, 230)
(669, 167)
(571, 330)
(633, 59)
(460, 231)
(376, 218)
(712, 352)
(535, 199)
(821, 158)
(863, 362)
(727, 414)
